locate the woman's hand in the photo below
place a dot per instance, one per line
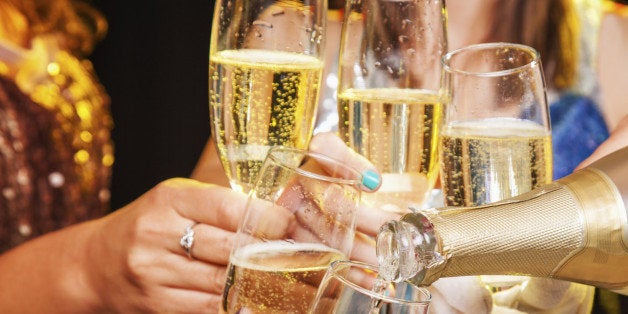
(136, 262)
(368, 219)
(130, 261)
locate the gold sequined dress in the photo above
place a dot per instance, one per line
(55, 146)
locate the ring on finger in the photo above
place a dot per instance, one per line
(187, 240)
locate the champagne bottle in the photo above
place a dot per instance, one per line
(573, 229)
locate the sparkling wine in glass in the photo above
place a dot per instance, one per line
(389, 104)
(300, 217)
(496, 138)
(265, 65)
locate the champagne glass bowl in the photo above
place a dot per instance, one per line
(265, 65)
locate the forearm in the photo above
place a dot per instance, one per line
(48, 274)
(208, 168)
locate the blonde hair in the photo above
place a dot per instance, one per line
(80, 25)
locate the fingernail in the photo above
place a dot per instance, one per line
(370, 179)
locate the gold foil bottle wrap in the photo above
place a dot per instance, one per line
(604, 247)
(514, 238)
(570, 229)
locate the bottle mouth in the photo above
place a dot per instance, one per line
(396, 251)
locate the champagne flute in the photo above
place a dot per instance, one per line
(265, 65)
(496, 137)
(354, 287)
(389, 106)
(299, 218)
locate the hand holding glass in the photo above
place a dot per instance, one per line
(299, 218)
(388, 96)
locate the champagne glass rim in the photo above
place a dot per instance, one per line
(533, 53)
(357, 181)
(335, 265)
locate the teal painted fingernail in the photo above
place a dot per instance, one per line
(370, 179)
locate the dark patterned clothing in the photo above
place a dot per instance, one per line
(55, 149)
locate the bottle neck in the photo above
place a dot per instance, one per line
(509, 237)
(572, 229)
(505, 238)
(407, 248)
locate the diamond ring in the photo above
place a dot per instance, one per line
(187, 240)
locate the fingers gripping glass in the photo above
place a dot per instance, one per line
(299, 218)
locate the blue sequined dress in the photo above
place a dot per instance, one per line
(578, 128)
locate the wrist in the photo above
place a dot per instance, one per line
(75, 276)
(48, 275)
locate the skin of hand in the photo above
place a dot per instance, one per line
(143, 238)
(368, 219)
(131, 260)
(617, 139)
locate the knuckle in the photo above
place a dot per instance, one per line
(218, 278)
(136, 265)
(167, 189)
